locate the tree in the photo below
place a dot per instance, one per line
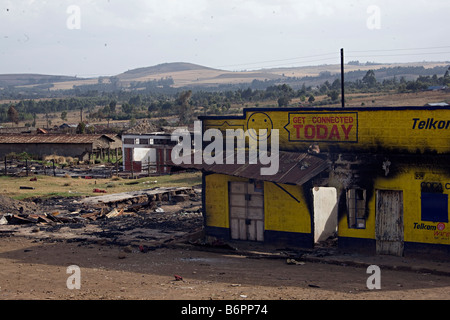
(127, 108)
(324, 87)
(112, 106)
(186, 111)
(446, 75)
(64, 115)
(135, 101)
(286, 88)
(336, 85)
(401, 88)
(284, 101)
(303, 90)
(13, 115)
(311, 99)
(81, 128)
(415, 86)
(334, 95)
(247, 94)
(369, 79)
(446, 78)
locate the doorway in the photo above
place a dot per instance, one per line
(246, 203)
(389, 222)
(325, 213)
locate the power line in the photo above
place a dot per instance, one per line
(385, 50)
(290, 64)
(296, 59)
(279, 60)
(400, 54)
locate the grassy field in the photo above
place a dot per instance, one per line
(48, 186)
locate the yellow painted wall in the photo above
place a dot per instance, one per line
(411, 187)
(281, 211)
(216, 199)
(414, 129)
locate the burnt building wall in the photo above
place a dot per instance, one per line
(42, 150)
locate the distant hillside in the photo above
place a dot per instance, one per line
(163, 68)
(192, 75)
(188, 75)
(24, 79)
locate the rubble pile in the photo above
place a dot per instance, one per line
(142, 218)
(17, 168)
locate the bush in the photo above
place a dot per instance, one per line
(70, 160)
(11, 155)
(20, 156)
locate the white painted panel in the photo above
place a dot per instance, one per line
(237, 200)
(237, 212)
(256, 201)
(242, 229)
(259, 230)
(325, 213)
(246, 211)
(143, 154)
(238, 187)
(255, 213)
(234, 225)
(251, 227)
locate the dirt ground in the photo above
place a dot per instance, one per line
(152, 255)
(33, 269)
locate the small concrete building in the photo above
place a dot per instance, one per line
(149, 152)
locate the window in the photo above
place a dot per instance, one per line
(356, 208)
(434, 203)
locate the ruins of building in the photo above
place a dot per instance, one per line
(81, 146)
(378, 178)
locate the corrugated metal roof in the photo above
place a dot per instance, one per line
(50, 138)
(294, 168)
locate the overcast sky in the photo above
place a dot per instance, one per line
(106, 37)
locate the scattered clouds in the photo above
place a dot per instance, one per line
(117, 35)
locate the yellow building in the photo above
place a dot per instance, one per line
(378, 178)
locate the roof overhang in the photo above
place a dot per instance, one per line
(293, 168)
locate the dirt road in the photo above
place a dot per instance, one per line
(37, 269)
(137, 256)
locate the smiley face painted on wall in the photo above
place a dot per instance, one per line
(259, 121)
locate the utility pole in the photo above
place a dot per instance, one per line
(342, 78)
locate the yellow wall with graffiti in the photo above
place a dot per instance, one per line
(415, 230)
(396, 129)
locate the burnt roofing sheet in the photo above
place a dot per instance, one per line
(294, 168)
(49, 138)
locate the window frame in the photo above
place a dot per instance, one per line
(356, 202)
